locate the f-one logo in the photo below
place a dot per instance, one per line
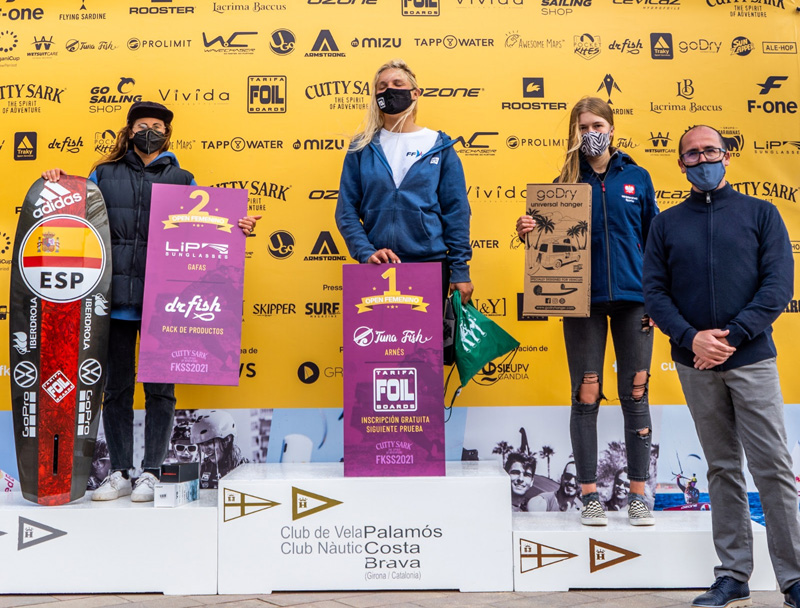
(395, 389)
(266, 94)
(769, 106)
(54, 197)
(420, 8)
(62, 258)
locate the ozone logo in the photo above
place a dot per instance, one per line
(62, 258)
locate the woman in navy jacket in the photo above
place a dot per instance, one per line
(623, 205)
(402, 196)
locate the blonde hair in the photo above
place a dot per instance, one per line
(571, 171)
(374, 119)
(121, 146)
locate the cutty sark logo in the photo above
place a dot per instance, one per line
(392, 297)
(197, 215)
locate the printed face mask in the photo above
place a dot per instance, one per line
(594, 143)
(706, 176)
(394, 101)
(149, 141)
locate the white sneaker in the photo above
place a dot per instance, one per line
(639, 514)
(592, 514)
(113, 486)
(144, 489)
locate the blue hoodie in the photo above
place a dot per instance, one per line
(623, 205)
(425, 219)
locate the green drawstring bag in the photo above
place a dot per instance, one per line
(478, 339)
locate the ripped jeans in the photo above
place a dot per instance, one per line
(585, 340)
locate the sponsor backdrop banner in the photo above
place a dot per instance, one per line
(393, 402)
(192, 312)
(266, 93)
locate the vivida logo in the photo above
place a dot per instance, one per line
(53, 197)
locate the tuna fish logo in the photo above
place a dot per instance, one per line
(100, 305)
(20, 343)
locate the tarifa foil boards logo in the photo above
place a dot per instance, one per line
(392, 297)
(239, 504)
(306, 503)
(197, 215)
(603, 555)
(533, 555)
(34, 533)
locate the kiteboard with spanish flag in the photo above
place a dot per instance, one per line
(58, 329)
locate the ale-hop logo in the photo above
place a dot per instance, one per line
(392, 297)
(197, 216)
(202, 308)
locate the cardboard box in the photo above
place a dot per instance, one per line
(558, 264)
(178, 472)
(175, 494)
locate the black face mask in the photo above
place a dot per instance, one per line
(149, 141)
(394, 101)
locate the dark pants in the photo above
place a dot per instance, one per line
(585, 340)
(118, 404)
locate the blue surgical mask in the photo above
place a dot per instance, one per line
(706, 176)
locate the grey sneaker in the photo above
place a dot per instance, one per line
(639, 514)
(113, 486)
(144, 489)
(592, 514)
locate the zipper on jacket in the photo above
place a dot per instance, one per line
(711, 260)
(136, 235)
(608, 244)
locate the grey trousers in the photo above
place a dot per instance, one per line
(735, 409)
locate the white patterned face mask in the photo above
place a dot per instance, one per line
(594, 143)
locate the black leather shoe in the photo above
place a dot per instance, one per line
(726, 592)
(792, 597)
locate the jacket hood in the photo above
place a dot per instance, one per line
(619, 159)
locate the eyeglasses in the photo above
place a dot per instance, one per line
(180, 447)
(692, 157)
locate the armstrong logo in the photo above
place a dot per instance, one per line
(233, 44)
(491, 307)
(138, 44)
(160, 9)
(281, 42)
(776, 146)
(22, 14)
(320, 144)
(627, 46)
(741, 46)
(768, 190)
(514, 40)
(734, 140)
(323, 310)
(661, 46)
(514, 142)
(273, 309)
(377, 43)
(660, 144)
(68, 144)
(587, 46)
(25, 145)
(281, 244)
(266, 94)
(104, 141)
(257, 191)
(533, 88)
(110, 99)
(563, 7)
(452, 42)
(325, 250)
(420, 8)
(652, 4)
(42, 47)
(769, 106)
(325, 46)
(755, 8)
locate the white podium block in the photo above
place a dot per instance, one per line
(306, 527)
(108, 547)
(554, 552)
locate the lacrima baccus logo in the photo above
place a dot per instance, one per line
(420, 8)
(266, 94)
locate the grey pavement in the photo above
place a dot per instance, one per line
(590, 598)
